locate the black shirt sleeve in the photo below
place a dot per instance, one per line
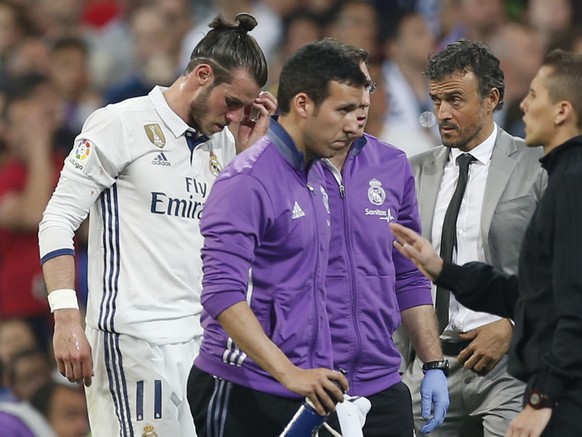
(481, 287)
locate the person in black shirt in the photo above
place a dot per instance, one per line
(545, 298)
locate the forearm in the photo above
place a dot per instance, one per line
(421, 325)
(242, 326)
(481, 287)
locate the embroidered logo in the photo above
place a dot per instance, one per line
(388, 217)
(79, 157)
(297, 211)
(83, 150)
(161, 160)
(376, 193)
(148, 431)
(155, 135)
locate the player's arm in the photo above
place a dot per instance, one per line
(89, 169)
(71, 348)
(243, 327)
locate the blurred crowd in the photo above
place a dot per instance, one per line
(62, 59)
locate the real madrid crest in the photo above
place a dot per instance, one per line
(214, 164)
(376, 193)
(155, 135)
(148, 431)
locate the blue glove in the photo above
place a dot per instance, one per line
(433, 390)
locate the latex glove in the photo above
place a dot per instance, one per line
(433, 390)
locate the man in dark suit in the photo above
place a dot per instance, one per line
(503, 183)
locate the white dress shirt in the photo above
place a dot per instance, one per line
(469, 242)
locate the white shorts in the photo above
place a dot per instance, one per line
(139, 389)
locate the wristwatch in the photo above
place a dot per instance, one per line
(537, 400)
(440, 365)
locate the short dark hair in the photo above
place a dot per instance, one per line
(565, 79)
(22, 87)
(42, 399)
(69, 42)
(313, 67)
(228, 47)
(463, 56)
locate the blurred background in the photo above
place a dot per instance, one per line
(62, 59)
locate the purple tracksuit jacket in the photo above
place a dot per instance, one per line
(368, 282)
(266, 214)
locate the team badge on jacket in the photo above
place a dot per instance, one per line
(376, 193)
(155, 135)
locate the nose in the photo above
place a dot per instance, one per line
(522, 105)
(353, 123)
(443, 111)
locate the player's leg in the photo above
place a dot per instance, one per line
(138, 388)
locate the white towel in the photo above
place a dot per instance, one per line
(351, 414)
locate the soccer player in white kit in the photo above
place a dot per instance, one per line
(143, 169)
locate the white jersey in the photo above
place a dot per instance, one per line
(133, 169)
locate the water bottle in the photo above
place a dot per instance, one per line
(306, 422)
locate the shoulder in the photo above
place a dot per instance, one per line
(381, 148)
(257, 158)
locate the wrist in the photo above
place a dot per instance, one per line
(62, 299)
(442, 365)
(538, 400)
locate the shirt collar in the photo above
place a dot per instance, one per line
(285, 144)
(177, 126)
(482, 152)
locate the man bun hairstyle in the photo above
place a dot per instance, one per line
(228, 47)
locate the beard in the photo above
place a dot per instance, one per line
(466, 135)
(198, 110)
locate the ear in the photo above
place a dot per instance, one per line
(564, 113)
(493, 99)
(203, 74)
(302, 105)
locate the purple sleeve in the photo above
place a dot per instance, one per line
(236, 215)
(11, 426)
(412, 287)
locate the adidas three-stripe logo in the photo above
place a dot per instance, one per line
(161, 160)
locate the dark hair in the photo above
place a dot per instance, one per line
(69, 42)
(21, 356)
(463, 56)
(228, 47)
(313, 67)
(22, 87)
(42, 399)
(565, 79)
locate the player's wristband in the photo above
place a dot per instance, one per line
(63, 299)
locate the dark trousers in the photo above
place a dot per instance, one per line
(223, 409)
(390, 415)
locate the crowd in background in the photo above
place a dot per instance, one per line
(62, 59)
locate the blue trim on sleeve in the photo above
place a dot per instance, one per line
(56, 253)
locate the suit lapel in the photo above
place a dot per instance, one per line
(429, 182)
(499, 173)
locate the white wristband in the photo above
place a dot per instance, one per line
(63, 299)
